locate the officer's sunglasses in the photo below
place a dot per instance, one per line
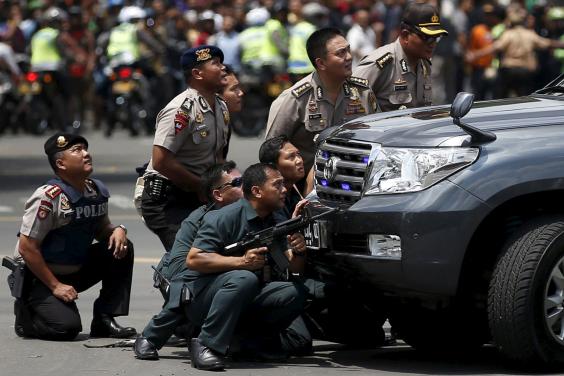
(236, 182)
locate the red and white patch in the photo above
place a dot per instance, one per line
(179, 126)
(43, 212)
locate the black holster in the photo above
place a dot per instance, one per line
(16, 278)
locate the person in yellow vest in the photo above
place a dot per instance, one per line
(277, 27)
(258, 51)
(555, 16)
(48, 46)
(299, 64)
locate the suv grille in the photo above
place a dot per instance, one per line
(340, 168)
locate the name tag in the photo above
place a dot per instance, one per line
(314, 116)
(400, 87)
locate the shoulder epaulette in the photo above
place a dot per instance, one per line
(382, 61)
(300, 90)
(358, 81)
(53, 191)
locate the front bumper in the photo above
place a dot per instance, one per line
(435, 226)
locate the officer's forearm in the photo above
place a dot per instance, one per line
(297, 263)
(30, 252)
(166, 164)
(209, 262)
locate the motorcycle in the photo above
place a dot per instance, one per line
(261, 88)
(126, 104)
(8, 103)
(40, 91)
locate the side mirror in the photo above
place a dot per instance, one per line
(461, 105)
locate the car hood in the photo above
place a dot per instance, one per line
(432, 126)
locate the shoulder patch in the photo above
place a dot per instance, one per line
(359, 81)
(187, 104)
(53, 191)
(300, 90)
(382, 61)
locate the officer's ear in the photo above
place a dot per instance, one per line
(216, 194)
(404, 34)
(59, 164)
(256, 191)
(196, 74)
(320, 64)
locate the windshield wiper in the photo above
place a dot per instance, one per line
(548, 89)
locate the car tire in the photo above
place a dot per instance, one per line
(525, 302)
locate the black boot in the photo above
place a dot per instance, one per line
(144, 349)
(204, 358)
(104, 325)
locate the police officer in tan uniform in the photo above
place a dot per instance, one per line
(399, 73)
(62, 218)
(191, 135)
(327, 97)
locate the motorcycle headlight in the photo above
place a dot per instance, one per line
(398, 170)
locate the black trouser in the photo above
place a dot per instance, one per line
(518, 80)
(44, 316)
(165, 216)
(237, 300)
(163, 325)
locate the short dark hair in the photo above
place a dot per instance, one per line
(269, 151)
(255, 175)
(316, 44)
(211, 178)
(228, 69)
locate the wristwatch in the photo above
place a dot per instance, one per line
(122, 227)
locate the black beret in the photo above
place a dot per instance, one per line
(197, 55)
(62, 141)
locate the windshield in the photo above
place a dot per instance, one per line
(556, 87)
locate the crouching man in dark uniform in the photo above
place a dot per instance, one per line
(61, 220)
(246, 291)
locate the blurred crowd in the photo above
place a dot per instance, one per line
(259, 35)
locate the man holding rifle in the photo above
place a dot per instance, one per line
(248, 291)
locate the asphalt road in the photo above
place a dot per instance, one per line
(23, 167)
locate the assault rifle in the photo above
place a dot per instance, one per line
(269, 238)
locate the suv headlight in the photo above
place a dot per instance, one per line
(398, 170)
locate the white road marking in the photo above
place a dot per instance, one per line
(137, 260)
(6, 209)
(122, 201)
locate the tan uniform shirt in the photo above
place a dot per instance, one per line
(303, 111)
(518, 46)
(390, 77)
(190, 129)
(47, 209)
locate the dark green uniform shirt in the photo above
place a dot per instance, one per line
(183, 243)
(230, 224)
